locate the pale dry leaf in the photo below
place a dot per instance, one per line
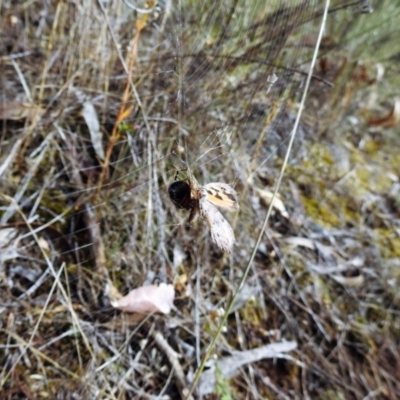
(7, 235)
(351, 281)
(92, 121)
(334, 271)
(12, 154)
(147, 299)
(328, 270)
(266, 197)
(44, 244)
(300, 241)
(221, 232)
(112, 292)
(357, 262)
(16, 110)
(230, 366)
(31, 273)
(178, 257)
(8, 247)
(391, 119)
(181, 281)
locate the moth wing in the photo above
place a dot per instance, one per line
(221, 232)
(222, 195)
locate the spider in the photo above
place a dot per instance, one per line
(200, 200)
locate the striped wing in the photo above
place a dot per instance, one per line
(221, 195)
(221, 232)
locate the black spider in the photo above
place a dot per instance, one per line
(180, 194)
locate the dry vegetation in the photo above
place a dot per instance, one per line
(84, 211)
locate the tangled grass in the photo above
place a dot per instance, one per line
(100, 105)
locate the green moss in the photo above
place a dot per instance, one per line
(55, 201)
(388, 244)
(369, 180)
(320, 156)
(251, 313)
(320, 213)
(371, 146)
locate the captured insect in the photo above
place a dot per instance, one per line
(200, 200)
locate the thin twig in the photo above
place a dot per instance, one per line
(173, 358)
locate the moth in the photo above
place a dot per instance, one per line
(201, 201)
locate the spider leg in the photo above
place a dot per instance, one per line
(194, 213)
(178, 171)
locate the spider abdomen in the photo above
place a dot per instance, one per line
(180, 194)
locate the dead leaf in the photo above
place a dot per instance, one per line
(352, 281)
(92, 121)
(300, 241)
(230, 366)
(44, 244)
(8, 245)
(389, 120)
(16, 110)
(178, 257)
(266, 197)
(181, 282)
(334, 271)
(147, 299)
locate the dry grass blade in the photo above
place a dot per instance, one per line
(92, 121)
